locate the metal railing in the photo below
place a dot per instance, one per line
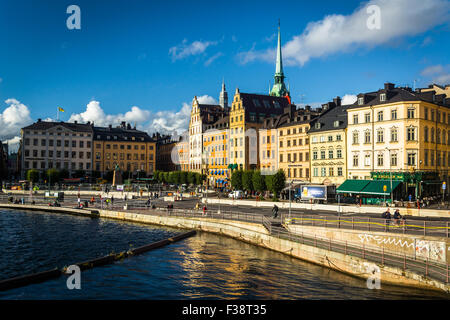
(404, 226)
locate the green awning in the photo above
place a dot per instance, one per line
(352, 186)
(376, 187)
(432, 182)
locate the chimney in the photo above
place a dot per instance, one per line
(128, 126)
(389, 86)
(290, 109)
(308, 108)
(88, 122)
(75, 122)
(110, 126)
(123, 124)
(337, 101)
(39, 120)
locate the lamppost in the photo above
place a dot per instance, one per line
(204, 159)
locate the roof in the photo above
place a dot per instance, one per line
(263, 103)
(72, 126)
(211, 113)
(327, 120)
(292, 117)
(399, 94)
(122, 134)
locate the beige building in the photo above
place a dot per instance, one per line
(59, 145)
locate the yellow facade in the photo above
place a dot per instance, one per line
(293, 151)
(129, 155)
(215, 146)
(238, 148)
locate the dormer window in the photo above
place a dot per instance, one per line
(383, 97)
(336, 124)
(360, 101)
(317, 125)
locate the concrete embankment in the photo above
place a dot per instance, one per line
(258, 235)
(331, 207)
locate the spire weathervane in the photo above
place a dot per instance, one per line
(279, 88)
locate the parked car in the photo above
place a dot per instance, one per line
(237, 194)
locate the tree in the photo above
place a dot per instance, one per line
(166, 177)
(236, 180)
(269, 182)
(247, 180)
(64, 174)
(53, 175)
(191, 178)
(33, 175)
(259, 181)
(278, 183)
(183, 177)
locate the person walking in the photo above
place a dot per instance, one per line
(275, 211)
(79, 201)
(387, 218)
(112, 200)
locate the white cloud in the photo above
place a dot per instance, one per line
(13, 118)
(437, 74)
(214, 57)
(348, 99)
(13, 144)
(339, 33)
(162, 121)
(184, 49)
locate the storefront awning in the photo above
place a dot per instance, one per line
(376, 187)
(432, 182)
(353, 186)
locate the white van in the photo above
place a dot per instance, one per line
(237, 194)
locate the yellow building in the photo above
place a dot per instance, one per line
(132, 150)
(247, 115)
(328, 145)
(284, 143)
(215, 147)
(399, 130)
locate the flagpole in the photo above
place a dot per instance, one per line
(57, 115)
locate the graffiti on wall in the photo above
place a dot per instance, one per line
(432, 250)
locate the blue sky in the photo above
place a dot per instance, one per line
(156, 56)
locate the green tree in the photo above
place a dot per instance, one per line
(64, 174)
(53, 175)
(278, 183)
(259, 181)
(33, 175)
(236, 179)
(199, 178)
(247, 180)
(183, 177)
(191, 178)
(269, 182)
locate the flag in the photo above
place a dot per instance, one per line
(61, 109)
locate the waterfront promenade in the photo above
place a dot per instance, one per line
(349, 256)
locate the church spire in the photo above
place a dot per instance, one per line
(279, 88)
(223, 99)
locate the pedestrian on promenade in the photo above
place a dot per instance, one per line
(204, 210)
(92, 200)
(275, 211)
(112, 200)
(387, 217)
(79, 201)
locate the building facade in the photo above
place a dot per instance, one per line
(398, 130)
(328, 145)
(164, 148)
(130, 149)
(60, 145)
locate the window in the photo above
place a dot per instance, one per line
(432, 135)
(394, 114)
(367, 117)
(315, 172)
(43, 142)
(336, 124)
(330, 138)
(380, 135)
(361, 101)
(367, 137)
(330, 154)
(355, 160)
(411, 134)
(380, 160)
(355, 119)
(314, 155)
(411, 158)
(339, 153)
(380, 115)
(411, 113)
(323, 172)
(355, 137)
(394, 135)
(425, 134)
(367, 160)
(331, 172)
(425, 158)
(322, 154)
(425, 113)
(338, 137)
(339, 171)
(438, 135)
(383, 97)
(393, 159)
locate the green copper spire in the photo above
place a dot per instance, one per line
(279, 88)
